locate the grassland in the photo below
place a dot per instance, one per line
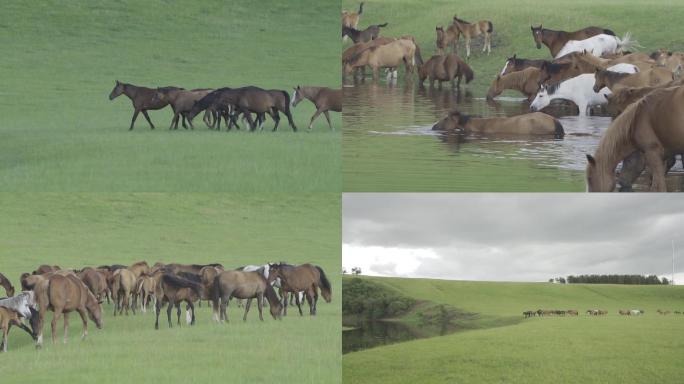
(74, 230)
(60, 132)
(610, 349)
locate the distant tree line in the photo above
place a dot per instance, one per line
(371, 300)
(613, 279)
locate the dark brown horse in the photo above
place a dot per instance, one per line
(173, 290)
(366, 35)
(5, 283)
(244, 285)
(325, 99)
(305, 278)
(555, 40)
(143, 99)
(63, 293)
(551, 73)
(514, 64)
(181, 102)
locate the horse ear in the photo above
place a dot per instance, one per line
(591, 160)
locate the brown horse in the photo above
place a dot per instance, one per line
(139, 268)
(447, 38)
(555, 40)
(551, 73)
(5, 283)
(390, 55)
(525, 81)
(144, 289)
(351, 19)
(471, 30)
(143, 99)
(653, 126)
(617, 80)
(45, 269)
(8, 318)
(325, 99)
(513, 64)
(123, 284)
(444, 68)
(669, 59)
(639, 59)
(305, 278)
(531, 124)
(624, 312)
(244, 285)
(64, 293)
(95, 281)
(355, 49)
(181, 102)
(366, 35)
(173, 290)
(207, 275)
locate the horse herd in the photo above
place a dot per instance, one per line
(591, 312)
(590, 67)
(62, 291)
(228, 103)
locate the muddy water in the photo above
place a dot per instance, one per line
(389, 145)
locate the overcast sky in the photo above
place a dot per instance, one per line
(512, 237)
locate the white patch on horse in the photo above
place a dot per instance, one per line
(294, 97)
(504, 68)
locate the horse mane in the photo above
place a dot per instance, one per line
(179, 282)
(270, 293)
(460, 20)
(620, 130)
(611, 75)
(553, 87)
(190, 276)
(553, 68)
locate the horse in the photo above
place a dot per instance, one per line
(551, 73)
(556, 40)
(8, 318)
(191, 268)
(95, 281)
(282, 103)
(525, 81)
(527, 314)
(325, 99)
(530, 124)
(144, 288)
(624, 312)
(390, 55)
(181, 102)
(173, 290)
(652, 126)
(5, 283)
(64, 293)
(143, 99)
(368, 34)
(577, 89)
(572, 312)
(513, 64)
(42, 269)
(351, 19)
(244, 285)
(305, 277)
(599, 45)
(468, 30)
(636, 312)
(207, 275)
(615, 80)
(669, 59)
(446, 38)
(25, 306)
(123, 284)
(139, 268)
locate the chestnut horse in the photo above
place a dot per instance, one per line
(616, 80)
(143, 99)
(444, 68)
(447, 38)
(8, 318)
(123, 284)
(244, 285)
(305, 277)
(653, 126)
(525, 81)
(471, 30)
(556, 40)
(95, 281)
(325, 99)
(390, 55)
(5, 283)
(531, 124)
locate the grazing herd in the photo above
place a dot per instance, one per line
(226, 103)
(62, 291)
(591, 67)
(591, 312)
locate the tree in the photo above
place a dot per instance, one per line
(356, 271)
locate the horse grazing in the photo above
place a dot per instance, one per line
(123, 284)
(305, 277)
(351, 19)
(181, 102)
(513, 64)
(624, 312)
(65, 293)
(530, 124)
(599, 45)
(173, 290)
(325, 99)
(615, 80)
(447, 38)
(368, 34)
(525, 81)
(143, 99)
(556, 40)
(244, 285)
(5, 283)
(652, 126)
(390, 55)
(95, 281)
(471, 30)
(577, 89)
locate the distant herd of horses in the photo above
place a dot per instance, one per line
(590, 67)
(62, 291)
(228, 103)
(591, 312)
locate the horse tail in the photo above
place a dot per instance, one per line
(382, 25)
(608, 32)
(360, 8)
(183, 283)
(490, 27)
(418, 56)
(287, 102)
(324, 283)
(559, 132)
(469, 74)
(627, 43)
(216, 297)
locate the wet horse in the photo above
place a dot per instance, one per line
(244, 285)
(530, 124)
(143, 99)
(525, 81)
(471, 30)
(444, 68)
(325, 99)
(556, 40)
(577, 89)
(390, 55)
(305, 277)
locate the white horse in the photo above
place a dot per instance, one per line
(636, 312)
(579, 90)
(22, 303)
(600, 45)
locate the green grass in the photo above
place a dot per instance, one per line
(60, 132)
(610, 349)
(90, 229)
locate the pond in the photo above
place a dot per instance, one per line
(388, 145)
(370, 334)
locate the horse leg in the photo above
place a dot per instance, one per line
(135, 116)
(224, 312)
(249, 303)
(327, 117)
(126, 305)
(314, 117)
(147, 117)
(84, 319)
(260, 305)
(290, 120)
(189, 122)
(174, 121)
(656, 164)
(5, 331)
(168, 313)
(468, 48)
(55, 318)
(157, 309)
(66, 326)
(178, 313)
(192, 311)
(183, 121)
(41, 322)
(248, 116)
(298, 302)
(285, 303)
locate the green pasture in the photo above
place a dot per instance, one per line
(510, 349)
(78, 230)
(60, 132)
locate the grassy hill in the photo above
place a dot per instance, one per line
(60, 132)
(645, 20)
(611, 349)
(93, 229)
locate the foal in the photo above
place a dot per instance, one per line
(468, 30)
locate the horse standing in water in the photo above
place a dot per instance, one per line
(470, 30)
(305, 277)
(555, 40)
(5, 283)
(325, 99)
(143, 99)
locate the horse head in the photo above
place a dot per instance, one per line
(296, 96)
(598, 180)
(118, 90)
(451, 122)
(537, 34)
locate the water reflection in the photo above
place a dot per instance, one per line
(378, 333)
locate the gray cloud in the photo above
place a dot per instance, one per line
(517, 237)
